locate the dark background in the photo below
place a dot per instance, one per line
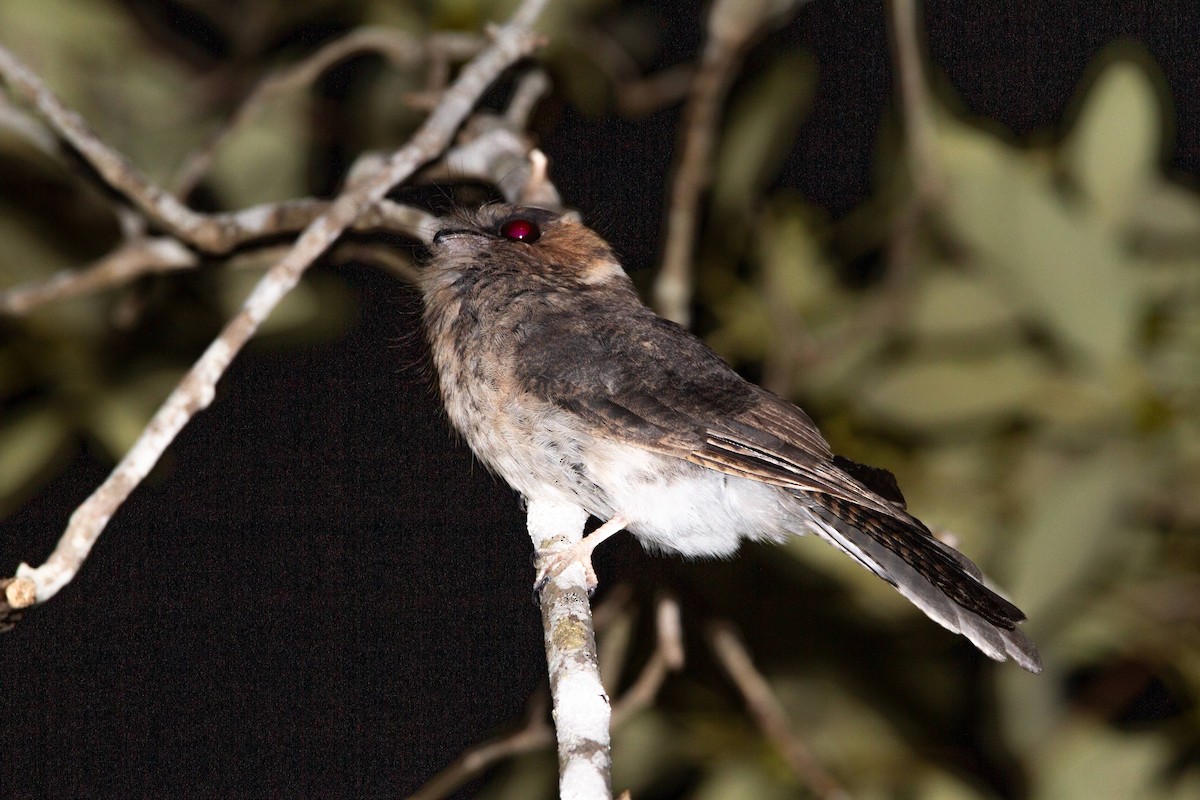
(318, 593)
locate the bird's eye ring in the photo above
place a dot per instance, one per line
(521, 230)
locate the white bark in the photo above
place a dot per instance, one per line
(581, 707)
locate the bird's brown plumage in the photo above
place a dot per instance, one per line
(559, 377)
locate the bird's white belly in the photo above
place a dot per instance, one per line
(671, 505)
(679, 507)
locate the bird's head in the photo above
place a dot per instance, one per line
(551, 247)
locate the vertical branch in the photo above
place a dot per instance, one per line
(581, 707)
(915, 108)
(732, 25)
(727, 31)
(929, 186)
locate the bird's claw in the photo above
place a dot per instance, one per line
(556, 563)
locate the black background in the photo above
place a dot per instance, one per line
(319, 593)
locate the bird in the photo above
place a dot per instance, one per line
(565, 384)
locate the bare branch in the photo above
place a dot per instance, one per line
(493, 149)
(929, 185)
(197, 389)
(768, 712)
(916, 109)
(495, 152)
(160, 206)
(637, 98)
(131, 260)
(928, 194)
(216, 233)
(144, 256)
(636, 95)
(532, 87)
(666, 658)
(929, 188)
(16, 121)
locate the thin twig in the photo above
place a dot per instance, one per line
(401, 49)
(916, 109)
(929, 193)
(929, 185)
(140, 255)
(536, 735)
(380, 256)
(493, 150)
(666, 658)
(636, 95)
(732, 25)
(129, 261)
(16, 121)
(533, 86)
(637, 98)
(213, 234)
(197, 389)
(672, 288)
(769, 714)
(497, 153)
(160, 206)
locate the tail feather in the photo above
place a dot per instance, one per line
(935, 577)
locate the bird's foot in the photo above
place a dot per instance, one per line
(555, 564)
(579, 553)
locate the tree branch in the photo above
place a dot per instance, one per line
(196, 391)
(732, 25)
(141, 255)
(769, 713)
(581, 709)
(398, 47)
(535, 734)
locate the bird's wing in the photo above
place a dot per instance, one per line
(650, 383)
(647, 382)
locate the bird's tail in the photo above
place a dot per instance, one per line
(938, 579)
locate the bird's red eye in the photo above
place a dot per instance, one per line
(520, 230)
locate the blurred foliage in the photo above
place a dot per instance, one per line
(1031, 373)
(1044, 366)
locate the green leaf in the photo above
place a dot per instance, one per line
(266, 161)
(794, 274)
(27, 444)
(936, 393)
(1095, 762)
(28, 255)
(1066, 266)
(740, 779)
(1073, 529)
(951, 303)
(646, 748)
(1114, 146)
(745, 327)
(1167, 212)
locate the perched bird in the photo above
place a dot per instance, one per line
(565, 384)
